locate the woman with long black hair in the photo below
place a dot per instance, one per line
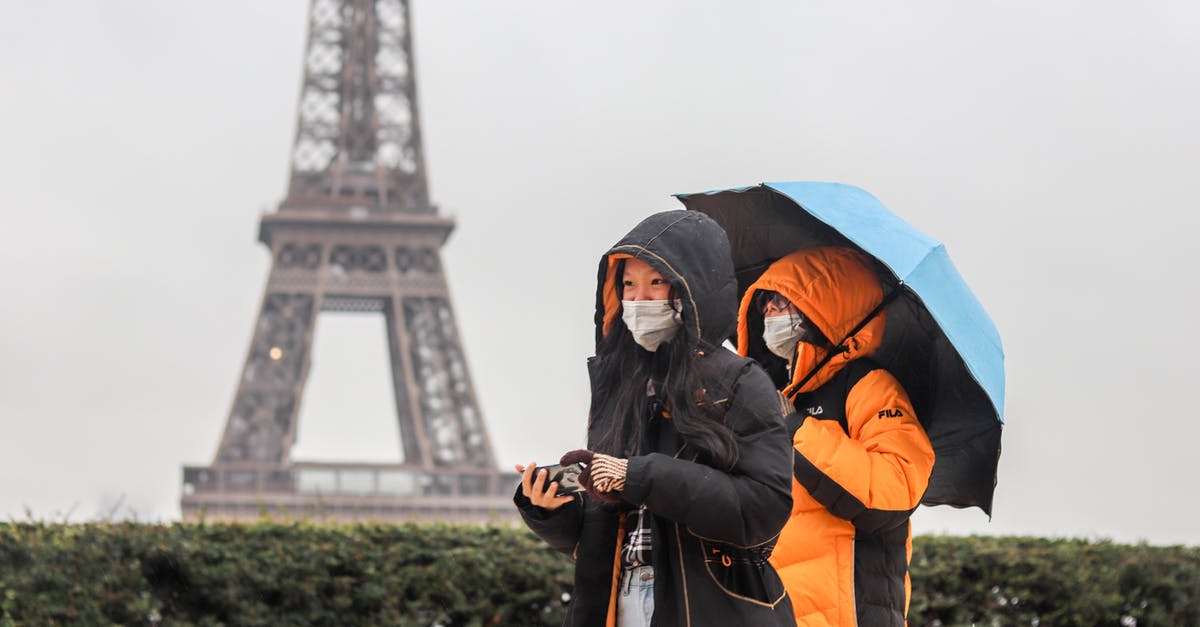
(688, 465)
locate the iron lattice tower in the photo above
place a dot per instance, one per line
(356, 232)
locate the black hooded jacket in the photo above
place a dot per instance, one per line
(713, 530)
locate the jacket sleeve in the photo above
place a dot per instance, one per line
(875, 475)
(746, 506)
(560, 528)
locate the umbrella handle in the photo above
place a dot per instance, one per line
(841, 347)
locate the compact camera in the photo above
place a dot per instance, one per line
(567, 478)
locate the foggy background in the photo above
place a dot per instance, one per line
(1052, 147)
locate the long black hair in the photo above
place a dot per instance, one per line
(681, 383)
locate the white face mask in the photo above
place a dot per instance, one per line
(651, 322)
(782, 333)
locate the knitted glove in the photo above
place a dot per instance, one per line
(604, 476)
(608, 473)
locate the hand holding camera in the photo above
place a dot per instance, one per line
(550, 487)
(601, 476)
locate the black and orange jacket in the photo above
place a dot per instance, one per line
(713, 529)
(862, 460)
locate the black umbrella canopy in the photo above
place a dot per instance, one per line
(764, 225)
(957, 414)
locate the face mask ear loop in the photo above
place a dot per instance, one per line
(841, 347)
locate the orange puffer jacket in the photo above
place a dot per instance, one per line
(862, 460)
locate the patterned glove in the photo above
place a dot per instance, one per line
(604, 476)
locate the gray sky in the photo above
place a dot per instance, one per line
(1052, 146)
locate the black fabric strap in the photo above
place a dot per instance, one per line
(794, 420)
(842, 503)
(830, 401)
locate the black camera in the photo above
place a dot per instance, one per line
(567, 478)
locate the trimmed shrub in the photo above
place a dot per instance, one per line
(278, 574)
(370, 574)
(1037, 581)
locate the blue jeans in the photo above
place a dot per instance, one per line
(635, 600)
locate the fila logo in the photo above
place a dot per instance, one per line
(891, 413)
(816, 411)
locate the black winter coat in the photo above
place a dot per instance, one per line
(713, 530)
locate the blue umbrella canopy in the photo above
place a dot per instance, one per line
(939, 341)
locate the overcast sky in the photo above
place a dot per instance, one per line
(1053, 147)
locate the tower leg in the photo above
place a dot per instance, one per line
(262, 422)
(404, 384)
(452, 422)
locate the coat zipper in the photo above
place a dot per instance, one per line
(687, 606)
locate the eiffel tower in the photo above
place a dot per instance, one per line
(356, 232)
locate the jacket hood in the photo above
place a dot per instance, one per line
(691, 251)
(835, 288)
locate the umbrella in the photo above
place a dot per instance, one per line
(939, 342)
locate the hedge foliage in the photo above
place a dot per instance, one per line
(1037, 581)
(309, 574)
(277, 574)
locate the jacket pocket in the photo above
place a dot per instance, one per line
(743, 572)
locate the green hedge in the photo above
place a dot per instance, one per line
(1037, 581)
(277, 574)
(307, 574)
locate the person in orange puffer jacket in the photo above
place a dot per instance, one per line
(862, 460)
